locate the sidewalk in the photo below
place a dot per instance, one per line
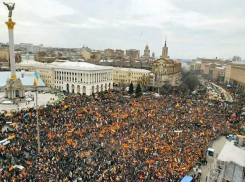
(42, 99)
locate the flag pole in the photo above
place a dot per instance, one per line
(38, 131)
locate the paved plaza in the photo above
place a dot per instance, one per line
(42, 99)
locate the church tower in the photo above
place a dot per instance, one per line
(147, 52)
(165, 51)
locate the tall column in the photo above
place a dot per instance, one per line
(10, 25)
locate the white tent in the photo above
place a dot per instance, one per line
(235, 160)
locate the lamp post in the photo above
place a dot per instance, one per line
(38, 130)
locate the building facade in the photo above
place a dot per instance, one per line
(132, 54)
(130, 75)
(44, 70)
(85, 54)
(95, 55)
(218, 74)
(4, 55)
(195, 65)
(204, 62)
(235, 74)
(82, 77)
(165, 70)
(74, 77)
(111, 54)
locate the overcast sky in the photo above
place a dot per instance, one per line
(194, 28)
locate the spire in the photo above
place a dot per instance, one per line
(165, 49)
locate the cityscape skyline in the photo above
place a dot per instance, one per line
(207, 30)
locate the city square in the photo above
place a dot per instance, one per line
(29, 101)
(108, 115)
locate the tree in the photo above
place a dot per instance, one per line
(138, 91)
(131, 88)
(92, 56)
(189, 81)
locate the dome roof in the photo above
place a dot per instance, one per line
(146, 47)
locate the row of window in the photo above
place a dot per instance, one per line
(45, 76)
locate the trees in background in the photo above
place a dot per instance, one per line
(131, 88)
(138, 91)
(190, 81)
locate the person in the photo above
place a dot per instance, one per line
(112, 138)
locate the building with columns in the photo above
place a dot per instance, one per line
(75, 77)
(82, 77)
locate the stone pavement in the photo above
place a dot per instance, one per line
(42, 99)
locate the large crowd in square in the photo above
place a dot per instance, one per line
(110, 137)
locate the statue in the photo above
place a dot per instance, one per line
(10, 8)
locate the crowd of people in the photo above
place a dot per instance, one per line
(110, 137)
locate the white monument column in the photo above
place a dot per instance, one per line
(13, 88)
(10, 25)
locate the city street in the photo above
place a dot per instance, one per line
(217, 93)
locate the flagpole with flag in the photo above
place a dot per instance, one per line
(36, 77)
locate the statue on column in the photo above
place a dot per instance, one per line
(10, 7)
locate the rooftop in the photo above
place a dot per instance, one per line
(81, 66)
(132, 70)
(30, 63)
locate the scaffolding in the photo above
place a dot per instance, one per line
(217, 171)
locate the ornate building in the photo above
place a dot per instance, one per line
(165, 51)
(165, 70)
(146, 52)
(82, 77)
(75, 77)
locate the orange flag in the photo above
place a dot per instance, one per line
(11, 168)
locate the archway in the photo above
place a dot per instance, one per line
(109, 85)
(73, 88)
(106, 86)
(102, 88)
(78, 89)
(17, 93)
(67, 87)
(84, 90)
(92, 89)
(97, 88)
